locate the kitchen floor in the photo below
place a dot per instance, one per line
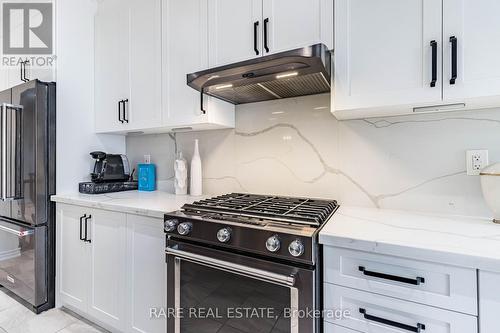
(15, 318)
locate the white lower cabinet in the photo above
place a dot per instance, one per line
(107, 267)
(146, 284)
(489, 302)
(379, 293)
(376, 313)
(443, 286)
(110, 267)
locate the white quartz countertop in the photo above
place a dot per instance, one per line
(153, 204)
(461, 241)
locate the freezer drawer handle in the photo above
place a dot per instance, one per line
(417, 329)
(453, 41)
(417, 281)
(434, 63)
(286, 280)
(11, 186)
(18, 233)
(86, 239)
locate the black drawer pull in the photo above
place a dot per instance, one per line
(434, 63)
(409, 328)
(416, 282)
(86, 239)
(81, 227)
(453, 41)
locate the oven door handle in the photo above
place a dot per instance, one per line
(286, 280)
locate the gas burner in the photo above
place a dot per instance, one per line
(251, 208)
(271, 226)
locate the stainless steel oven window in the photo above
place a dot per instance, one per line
(278, 292)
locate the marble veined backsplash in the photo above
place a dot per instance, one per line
(297, 147)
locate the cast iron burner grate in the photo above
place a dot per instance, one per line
(303, 211)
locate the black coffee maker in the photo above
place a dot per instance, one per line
(110, 167)
(111, 174)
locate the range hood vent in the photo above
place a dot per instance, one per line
(300, 72)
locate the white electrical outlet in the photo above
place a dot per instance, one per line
(147, 159)
(477, 160)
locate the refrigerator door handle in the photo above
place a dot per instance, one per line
(11, 183)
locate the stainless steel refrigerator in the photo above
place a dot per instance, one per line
(27, 180)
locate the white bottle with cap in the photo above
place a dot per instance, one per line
(195, 188)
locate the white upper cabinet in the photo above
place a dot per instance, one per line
(387, 52)
(127, 65)
(235, 30)
(383, 59)
(245, 29)
(185, 50)
(293, 24)
(145, 64)
(112, 62)
(476, 28)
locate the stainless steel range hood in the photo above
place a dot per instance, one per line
(299, 72)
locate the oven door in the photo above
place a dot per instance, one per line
(211, 291)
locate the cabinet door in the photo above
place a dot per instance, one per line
(231, 30)
(108, 267)
(476, 27)
(145, 64)
(185, 50)
(298, 23)
(72, 259)
(145, 273)
(112, 82)
(489, 301)
(383, 53)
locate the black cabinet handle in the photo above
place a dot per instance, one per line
(202, 101)
(409, 328)
(417, 281)
(453, 41)
(266, 44)
(86, 239)
(120, 112)
(434, 63)
(125, 115)
(81, 227)
(255, 37)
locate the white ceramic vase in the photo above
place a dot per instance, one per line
(195, 188)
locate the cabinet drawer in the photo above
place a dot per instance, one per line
(331, 328)
(443, 286)
(381, 314)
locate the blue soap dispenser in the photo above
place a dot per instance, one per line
(147, 175)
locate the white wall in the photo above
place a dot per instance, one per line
(74, 76)
(296, 147)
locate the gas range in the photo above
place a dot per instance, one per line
(238, 250)
(270, 226)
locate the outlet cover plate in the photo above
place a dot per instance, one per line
(476, 161)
